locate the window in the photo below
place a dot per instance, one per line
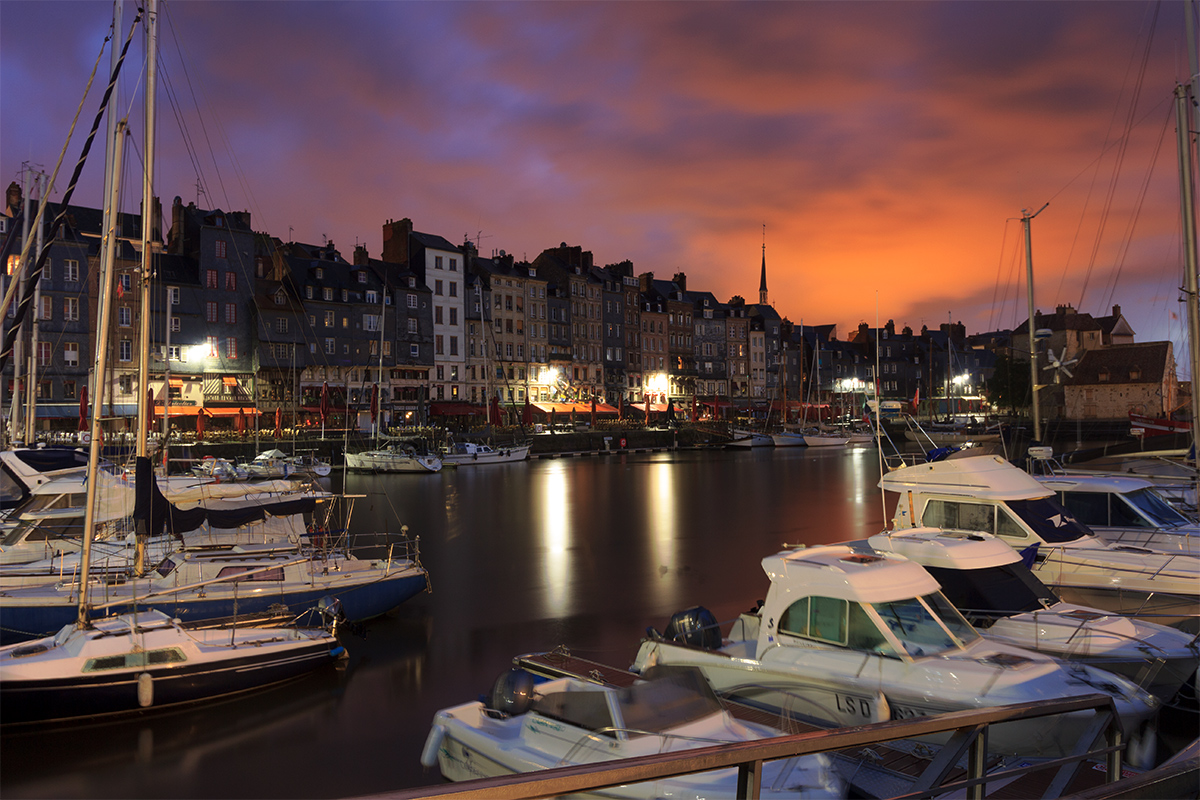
(210, 279)
(319, 273)
(68, 390)
(211, 341)
(231, 281)
(414, 351)
(175, 328)
(437, 287)
(372, 296)
(173, 295)
(221, 249)
(454, 316)
(345, 322)
(125, 383)
(125, 350)
(45, 350)
(345, 295)
(231, 313)
(370, 322)
(124, 283)
(362, 276)
(281, 325)
(124, 316)
(437, 315)
(210, 311)
(327, 294)
(412, 325)
(47, 309)
(70, 309)
(330, 346)
(453, 345)
(231, 347)
(454, 265)
(453, 288)
(71, 271)
(328, 319)
(71, 354)
(439, 345)
(412, 301)
(308, 292)
(437, 262)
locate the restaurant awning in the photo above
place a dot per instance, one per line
(176, 383)
(654, 407)
(178, 411)
(229, 412)
(229, 381)
(578, 408)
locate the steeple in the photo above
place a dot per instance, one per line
(762, 283)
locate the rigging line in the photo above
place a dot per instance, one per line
(43, 256)
(1133, 220)
(177, 106)
(1121, 152)
(999, 268)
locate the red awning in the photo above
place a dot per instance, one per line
(229, 412)
(578, 408)
(229, 381)
(654, 407)
(178, 411)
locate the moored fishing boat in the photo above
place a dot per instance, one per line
(393, 458)
(746, 438)
(530, 725)
(876, 622)
(466, 454)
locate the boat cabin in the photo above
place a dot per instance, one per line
(1112, 502)
(841, 597)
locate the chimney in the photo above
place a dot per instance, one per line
(395, 241)
(360, 255)
(681, 281)
(1116, 310)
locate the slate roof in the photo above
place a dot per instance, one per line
(1151, 359)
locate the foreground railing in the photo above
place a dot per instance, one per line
(968, 729)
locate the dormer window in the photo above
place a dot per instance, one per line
(1103, 376)
(280, 297)
(362, 276)
(412, 283)
(1135, 374)
(319, 273)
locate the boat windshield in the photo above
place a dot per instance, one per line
(925, 628)
(40, 528)
(666, 701)
(985, 595)
(1049, 519)
(1154, 507)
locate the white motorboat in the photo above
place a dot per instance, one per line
(878, 623)
(147, 661)
(986, 493)
(530, 725)
(393, 459)
(268, 465)
(220, 469)
(993, 588)
(745, 438)
(468, 454)
(311, 465)
(818, 438)
(1125, 510)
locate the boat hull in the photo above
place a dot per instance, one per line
(362, 601)
(384, 461)
(104, 694)
(504, 455)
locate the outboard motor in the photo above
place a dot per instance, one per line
(513, 692)
(696, 626)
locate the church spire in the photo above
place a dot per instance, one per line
(762, 283)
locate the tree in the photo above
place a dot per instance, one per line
(1009, 385)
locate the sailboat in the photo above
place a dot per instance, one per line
(815, 437)
(142, 659)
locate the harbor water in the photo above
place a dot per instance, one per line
(583, 553)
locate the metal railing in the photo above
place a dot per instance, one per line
(968, 737)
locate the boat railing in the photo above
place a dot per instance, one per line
(601, 739)
(968, 736)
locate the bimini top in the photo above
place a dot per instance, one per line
(981, 477)
(934, 547)
(844, 573)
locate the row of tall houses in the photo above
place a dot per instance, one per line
(242, 321)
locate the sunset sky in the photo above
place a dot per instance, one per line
(888, 148)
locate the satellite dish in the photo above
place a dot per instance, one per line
(1041, 334)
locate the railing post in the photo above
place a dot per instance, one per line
(1113, 760)
(749, 780)
(977, 764)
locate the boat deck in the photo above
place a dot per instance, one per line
(884, 770)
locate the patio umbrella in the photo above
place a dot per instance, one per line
(278, 423)
(693, 408)
(527, 413)
(374, 403)
(149, 408)
(83, 409)
(671, 409)
(621, 409)
(494, 413)
(324, 402)
(200, 424)
(553, 414)
(593, 412)
(241, 422)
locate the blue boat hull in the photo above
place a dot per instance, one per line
(20, 623)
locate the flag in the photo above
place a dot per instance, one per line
(83, 409)
(278, 423)
(324, 401)
(916, 398)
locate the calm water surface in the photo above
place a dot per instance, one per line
(584, 553)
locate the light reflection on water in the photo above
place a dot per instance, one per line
(523, 557)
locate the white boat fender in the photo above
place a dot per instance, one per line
(432, 743)
(145, 690)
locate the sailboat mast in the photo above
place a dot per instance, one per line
(100, 364)
(147, 272)
(379, 377)
(1026, 218)
(1191, 294)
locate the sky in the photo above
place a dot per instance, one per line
(883, 153)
